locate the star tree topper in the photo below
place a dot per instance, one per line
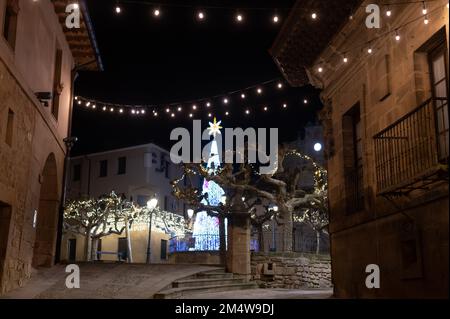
(214, 128)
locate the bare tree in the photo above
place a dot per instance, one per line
(242, 181)
(97, 218)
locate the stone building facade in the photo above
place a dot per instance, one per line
(386, 129)
(35, 56)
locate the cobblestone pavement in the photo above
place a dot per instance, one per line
(104, 281)
(135, 281)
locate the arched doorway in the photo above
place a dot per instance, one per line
(47, 216)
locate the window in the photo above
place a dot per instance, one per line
(439, 87)
(57, 86)
(122, 166)
(163, 249)
(103, 168)
(9, 128)
(76, 173)
(166, 203)
(353, 160)
(10, 23)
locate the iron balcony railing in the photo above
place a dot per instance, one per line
(412, 147)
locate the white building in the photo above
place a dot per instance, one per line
(139, 172)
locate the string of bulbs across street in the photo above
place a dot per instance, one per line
(194, 106)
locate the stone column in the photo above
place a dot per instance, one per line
(238, 254)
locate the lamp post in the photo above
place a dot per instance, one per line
(151, 205)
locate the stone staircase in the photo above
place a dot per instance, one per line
(209, 281)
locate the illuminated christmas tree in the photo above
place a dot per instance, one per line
(206, 228)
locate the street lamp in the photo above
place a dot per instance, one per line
(151, 206)
(190, 213)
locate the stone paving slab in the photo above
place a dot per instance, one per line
(104, 281)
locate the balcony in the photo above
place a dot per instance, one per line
(412, 153)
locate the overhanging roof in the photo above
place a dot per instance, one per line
(82, 41)
(302, 39)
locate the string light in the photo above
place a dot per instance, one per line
(155, 114)
(179, 109)
(280, 85)
(345, 59)
(314, 16)
(239, 17)
(225, 101)
(142, 111)
(247, 111)
(259, 91)
(156, 12)
(94, 106)
(242, 96)
(284, 105)
(369, 50)
(426, 21)
(227, 113)
(190, 115)
(167, 110)
(209, 114)
(194, 107)
(118, 9)
(121, 111)
(266, 108)
(320, 69)
(275, 19)
(88, 103)
(104, 108)
(201, 15)
(388, 12)
(424, 8)
(76, 98)
(79, 102)
(305, 101)
(172, 115)
(111, 109)
(397, 35)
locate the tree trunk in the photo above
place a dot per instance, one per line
(262, 248)
(222, 240)
(127, 232)
(87, 245)
(318, 242)
(287, 230)
(94, 248)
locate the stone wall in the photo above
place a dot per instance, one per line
(292, 271)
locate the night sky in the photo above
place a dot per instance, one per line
(156, 61)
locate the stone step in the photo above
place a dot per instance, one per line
(205, 282)
(177, 293)
(214, 275)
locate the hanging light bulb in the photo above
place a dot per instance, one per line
(345, 59)
(88, 103)
(225, 101)
(111, 109)
(156, 12)
(305, 101)
(239, 17)
(247, 111)
(369, 50)
(172, 115)
(142, 111)
(243, 96)
(320, 69)
(208, 104)
(76, 98)
(284, 105)
(79, 102)
(155, 114)
(167, 110)
(209, 114)
(397, 35)
(424, 8)
(180, 109)
(280, 85)
(426, 21)
(121, 111)
(94, 106)
(276, 19)
(201, 15)
(265, 108)
(190, 115)
(227, 113)
(388, 12)
(104, 108)
(259, 91)
(314, 16)
(118, 9)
